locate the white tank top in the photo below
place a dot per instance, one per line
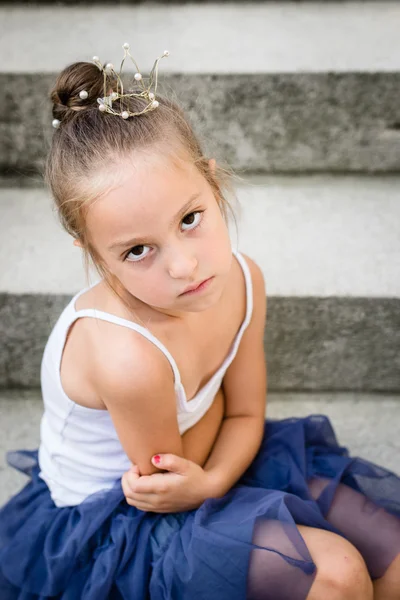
(80, 452)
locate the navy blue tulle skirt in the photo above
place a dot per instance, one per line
(242, 546)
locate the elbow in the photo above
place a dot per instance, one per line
(145, 464)
(147, 468)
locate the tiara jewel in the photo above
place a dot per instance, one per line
(106, 103)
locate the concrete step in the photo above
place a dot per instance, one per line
(270, 103)
(312, 235)
(366, 424)
(329, 248)
(274, 37)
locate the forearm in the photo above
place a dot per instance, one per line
(237, 444)
(199, 439)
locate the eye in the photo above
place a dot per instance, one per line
(193, 224)
(133, 252)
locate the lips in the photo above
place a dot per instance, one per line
(195, 286)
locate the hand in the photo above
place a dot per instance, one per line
(184, 487)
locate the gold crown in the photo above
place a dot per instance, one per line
(106, 103)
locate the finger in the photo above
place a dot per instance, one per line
(171, 462)
(143, 503)
(152, 484)
(125, 487)
(131, 478)
(144, 484)
(128, 481)
(150, 499)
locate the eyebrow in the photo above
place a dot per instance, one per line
(140, 240)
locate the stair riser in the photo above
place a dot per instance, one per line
(311, 343)
(261, 123)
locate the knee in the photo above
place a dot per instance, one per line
(341, 571)
(346, 577)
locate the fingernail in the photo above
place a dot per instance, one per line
(157, 458)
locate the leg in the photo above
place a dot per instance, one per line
(341, 573)
(387, 587)
(374, 531)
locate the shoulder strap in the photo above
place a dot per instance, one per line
(249, 287)
(103, 316)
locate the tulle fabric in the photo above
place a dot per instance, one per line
(244, 545)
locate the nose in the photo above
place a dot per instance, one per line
(180, 264)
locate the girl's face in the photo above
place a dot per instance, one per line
(160, 231)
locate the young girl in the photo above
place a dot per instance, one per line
(157, 475)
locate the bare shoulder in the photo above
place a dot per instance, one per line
(259, 289)
(125, 360)
(255, 269)
(135, 382)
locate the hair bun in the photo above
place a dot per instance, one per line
(67, 96)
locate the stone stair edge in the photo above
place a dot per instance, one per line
(15, 179)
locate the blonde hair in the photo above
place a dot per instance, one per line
(89, 142)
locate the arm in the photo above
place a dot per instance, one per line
(141, 401)
(245, 387)
(199, 439)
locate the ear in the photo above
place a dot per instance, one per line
(212, 164)
(77, 243)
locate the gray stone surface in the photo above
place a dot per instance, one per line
(21, 181)
(333, 344)
(258, 123)
(318, 235)
(25, 324)
(311, 343)
(207, 37)
(328, 247)
(366, 424)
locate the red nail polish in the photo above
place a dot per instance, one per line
(157, 458)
